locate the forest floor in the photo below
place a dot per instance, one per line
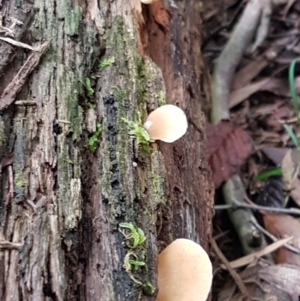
(251, 48)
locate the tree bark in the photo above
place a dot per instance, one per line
(66, 188)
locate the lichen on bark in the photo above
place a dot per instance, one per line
(124, 193)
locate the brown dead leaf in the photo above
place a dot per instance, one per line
(295, 190)
(286, 9)
(276, 154)
(253, 256)
(290, 172)
(273, 85)
(267, 138)
(278, 117)
(261, 110)
(283, 276)
(256, 286)
(283, 226)
(227, 147)
(237, 96)
(251, 70)
(277, 86)
(283, 255)
(288, 167)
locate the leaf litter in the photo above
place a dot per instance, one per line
(254, 84)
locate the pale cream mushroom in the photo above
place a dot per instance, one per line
(148, 1)
(184, 272)
(167, 123)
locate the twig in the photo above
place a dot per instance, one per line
(220, 235)
(225, 25)
(248, 259)
(201, 131)
(10, 193)
(25, 103)
(7, 31)
(233, 190)
(9, 245)
(264, 231)
(237, 205)
(10, 92)
(230, 57)
(263, 26)
(232, 272)
(19, 44)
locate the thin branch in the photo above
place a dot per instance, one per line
(236, 277)
(25, 103)
(201, 131)
(9, 245)
(19, 44)
(272, 237)
(237, 205)
(10, 92)
(248, 259)
(10, 193)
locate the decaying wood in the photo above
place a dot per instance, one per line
(184, 87)
(68, 202)
(24, 17)
(10, 92)
(9, 245)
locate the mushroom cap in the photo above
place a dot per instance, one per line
(184, 272)
(148, 1)
(167, 123)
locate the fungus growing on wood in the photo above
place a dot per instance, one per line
(148, 1)
(167, 123)
(184, 272)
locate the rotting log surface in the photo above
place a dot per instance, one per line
(68, 201)
(177, 52)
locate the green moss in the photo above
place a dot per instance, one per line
(93, 141)
(148, 289)
(118, 36)
(136, 235)
(68, 87)
(88, 87)
(72, 16)
(156, 188)
(106, 63)
(142, 79)
(91, 106)
(134, 259)
(156, 178)
(138, 132)
(3, 138)
(19, 180)
(120, 94)
(124, 106)
(161, 97)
